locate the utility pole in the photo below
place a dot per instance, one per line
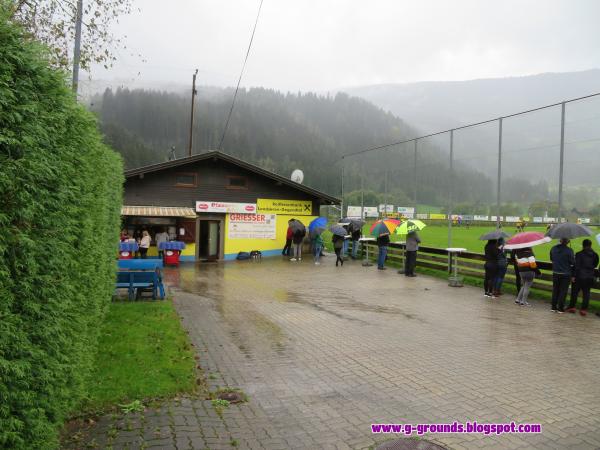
(77, 49)
(194, 92)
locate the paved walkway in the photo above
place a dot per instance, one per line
(323, 352)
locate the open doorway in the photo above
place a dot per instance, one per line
(209, 240)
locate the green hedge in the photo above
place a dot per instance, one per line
(60, 196)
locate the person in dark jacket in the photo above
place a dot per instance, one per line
(338, 245)
(383, 240)
(586, 262)
(491, 267)
(412, 246)
(288, 240)
(527, 270)
(356, 235)
(502, 263)
(513, 257)
(297, 239)
(563, 260)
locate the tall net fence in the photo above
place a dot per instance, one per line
(529, 169)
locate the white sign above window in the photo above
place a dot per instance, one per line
(225, 207)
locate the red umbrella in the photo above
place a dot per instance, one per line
(526, 239)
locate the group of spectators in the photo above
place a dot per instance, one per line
(568, 269)
(143, 239)
(412, 246)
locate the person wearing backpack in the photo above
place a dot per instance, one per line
(338, 245)
(298, 238)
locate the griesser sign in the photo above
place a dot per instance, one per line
(225, 207)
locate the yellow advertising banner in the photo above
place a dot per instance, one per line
(291, 207)
(437, 216)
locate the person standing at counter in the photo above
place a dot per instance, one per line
(161, 236)
(288, 240)
(144, 244)
(383, 240)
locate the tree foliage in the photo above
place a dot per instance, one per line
(52, 22)
(60, 196)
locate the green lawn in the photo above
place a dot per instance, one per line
(143, 354)
(436, 235)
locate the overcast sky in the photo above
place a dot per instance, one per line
(328, 44)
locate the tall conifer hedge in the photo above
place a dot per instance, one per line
(60, 196)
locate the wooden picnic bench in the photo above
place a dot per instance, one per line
(139, 275)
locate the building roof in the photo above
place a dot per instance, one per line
(236, 161)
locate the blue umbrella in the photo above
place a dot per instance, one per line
(318, 225)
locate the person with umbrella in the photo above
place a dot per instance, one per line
(412, 246)
(287, 248)
(528, 270)
(586, 262)
(355, 230)
(315, 228)
(298, 233)
(563, 260)
(383, 240)
(382, 229)
(496, 237)
(338, 239)
(502, 266)
(490, 267)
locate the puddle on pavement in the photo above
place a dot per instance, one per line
(235, 295)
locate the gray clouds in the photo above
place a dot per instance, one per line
(328, 44)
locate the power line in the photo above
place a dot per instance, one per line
(240, 78)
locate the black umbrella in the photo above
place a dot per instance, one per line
(493, 235)
(296, 225)
(338, 230)
(568, 230)
(353, 224)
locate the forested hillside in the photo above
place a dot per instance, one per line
(282, 132)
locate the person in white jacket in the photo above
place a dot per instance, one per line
(144, 244)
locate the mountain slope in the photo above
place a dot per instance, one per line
(439, 105)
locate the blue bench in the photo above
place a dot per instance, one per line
(139, 275)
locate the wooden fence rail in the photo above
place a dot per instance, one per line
(469, 264)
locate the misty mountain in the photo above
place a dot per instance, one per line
(534, 137)
(439, 105)
(282, 132)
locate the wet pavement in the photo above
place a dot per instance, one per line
(323, 352)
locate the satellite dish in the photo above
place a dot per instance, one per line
(297, 176)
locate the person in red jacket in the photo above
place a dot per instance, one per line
(288, 241)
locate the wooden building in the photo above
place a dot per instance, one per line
(218, 204)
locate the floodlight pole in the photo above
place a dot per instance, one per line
(342, 202)
(415, 178)
(499, 181)
(362, 196)
(385, 200)
(450, 188)
(562, 158)
(194, 92)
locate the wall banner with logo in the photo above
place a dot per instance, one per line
(288, 207)
(252, 226)
(225, 207)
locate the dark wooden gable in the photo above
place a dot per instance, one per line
(207, 180)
